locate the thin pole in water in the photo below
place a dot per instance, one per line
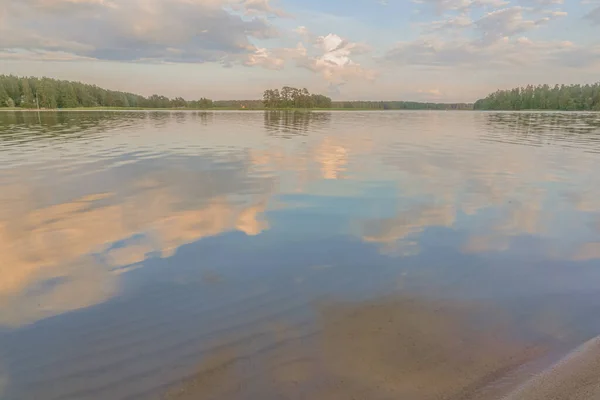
(37, 103)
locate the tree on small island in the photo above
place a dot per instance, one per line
(289, 97)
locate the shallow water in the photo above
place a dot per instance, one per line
(252, 255)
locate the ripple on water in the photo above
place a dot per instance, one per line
(224, 255)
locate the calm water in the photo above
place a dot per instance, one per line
(304, 255)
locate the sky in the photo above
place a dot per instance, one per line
(422, 50)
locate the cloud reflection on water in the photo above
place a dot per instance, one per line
(64, 256)
(67, 251)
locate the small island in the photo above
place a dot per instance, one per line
(290, 97)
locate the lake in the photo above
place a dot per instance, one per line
(322, 255)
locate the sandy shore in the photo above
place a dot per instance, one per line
(575, 377)
(394, 349)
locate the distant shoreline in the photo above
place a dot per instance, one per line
(81, 109)
(205, 109)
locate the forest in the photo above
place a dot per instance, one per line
(46, 93)
(544, 97)
(289, 97)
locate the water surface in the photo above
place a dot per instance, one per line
(250, 255)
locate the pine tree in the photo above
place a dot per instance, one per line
(3, 95)
(11, 84)
(47, 94)
(568, 98)
(66, 96)
(27, 98)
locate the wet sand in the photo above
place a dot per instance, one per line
(575, 377)
(391, 349)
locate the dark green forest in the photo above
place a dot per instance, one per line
(29, 92)
(289, 97)
(544, 97)
(47, 93)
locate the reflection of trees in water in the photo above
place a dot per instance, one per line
(161, 118)
(292, 123)
(203, 117)
(21, 127)
(55, 120)
(538, 129)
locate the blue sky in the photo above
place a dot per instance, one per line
(435, 50)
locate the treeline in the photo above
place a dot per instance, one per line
(400, 105)
(30, 92)
(544, 97)
(239, 104)
(289, 97)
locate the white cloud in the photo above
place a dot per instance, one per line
(133, 30)
(456, 24)
(253, 7)
(541, 3)
(40, 55)
(506, 22)
(494, 40)
(276, 58)
(431, 93)
(467, 33)
(303, 32)
(264, 58)
(556, 13)
(335, 62)
(442, 6)
(503, 53)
